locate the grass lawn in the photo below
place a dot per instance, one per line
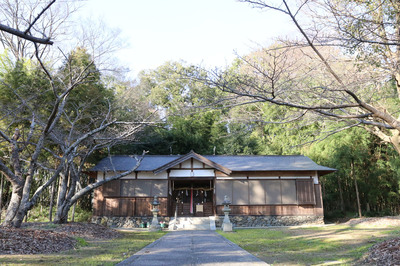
(104, 252)
(337, 244)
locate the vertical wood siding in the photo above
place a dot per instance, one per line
(111, 189)
(122, 207)
(122, 198)
(274, 197)
(305, 192)
(270, 210)
(257, 192)
(319, 208)
(249, 197)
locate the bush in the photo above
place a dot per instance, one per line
(41, 214)
(80, 215)
(334, 215)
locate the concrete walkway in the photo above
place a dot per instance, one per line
(192, 248)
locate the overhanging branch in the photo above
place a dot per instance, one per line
(25, 36)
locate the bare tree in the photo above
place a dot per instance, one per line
(21, 177)
(359, 88)
(45, 120)
(65, 134)
(27, 26)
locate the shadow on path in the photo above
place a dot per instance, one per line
(192, 248)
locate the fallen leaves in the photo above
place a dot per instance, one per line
(36, 238)
(385, 253)
(25, 241)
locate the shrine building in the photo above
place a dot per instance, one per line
(285, 188)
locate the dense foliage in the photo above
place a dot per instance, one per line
(188, 119)
(285, 99)
(261, 128)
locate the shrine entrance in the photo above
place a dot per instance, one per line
(192, 198)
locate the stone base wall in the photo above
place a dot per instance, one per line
(266, 220)
(237, 221)
(126, 222)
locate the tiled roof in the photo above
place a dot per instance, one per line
(197, 157)
(235, 163)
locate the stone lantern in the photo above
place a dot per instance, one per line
(226, 225)
(155, 226)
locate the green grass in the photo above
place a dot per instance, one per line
(80, 242)
(41, 214)
(339, 244)
(105, 252)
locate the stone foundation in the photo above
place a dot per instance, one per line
(273, 220)
(236, 220)
(127, 222)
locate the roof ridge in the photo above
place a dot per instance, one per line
(227, 163)
(217, 155)
(257, 155)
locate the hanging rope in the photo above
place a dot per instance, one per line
(188, 188)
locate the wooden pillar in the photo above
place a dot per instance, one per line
(214, 196)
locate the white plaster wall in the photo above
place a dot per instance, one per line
(189, 173)
(187, 164)
(231, 177)
(108, 174)
(295, 177)
(130, 176)
(315, 177)
(197, 164)
(99, 176)
(263, 177)
(151, 175)
(112, 173)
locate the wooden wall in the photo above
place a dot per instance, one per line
(108, 202)
(281, 209)
(266, 192)
(128, 207)
(249, 197)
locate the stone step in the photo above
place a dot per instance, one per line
(192, 223)
(212, 223)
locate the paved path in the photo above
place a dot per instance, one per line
(192, 248)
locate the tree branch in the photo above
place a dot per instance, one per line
(38, 16)
(25, 36)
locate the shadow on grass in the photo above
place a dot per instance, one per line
(97, 252)
(292, 246)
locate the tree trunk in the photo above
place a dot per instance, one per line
(22, 209)
(1, 195)
(69, 185)
(73, 212)
(51, 201)
(16, 180)
(62, 214)
(395, 140)
(61, 201)
(66, 201)
(356, 187)
(14, 204)
(340, 195)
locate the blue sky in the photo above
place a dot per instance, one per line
(206, 32)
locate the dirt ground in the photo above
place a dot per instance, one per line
(382, 253)
(39, 238)
(386, 252)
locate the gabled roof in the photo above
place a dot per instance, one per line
(233, 163)
(196, 156)
(126, 162)
(268, 163)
